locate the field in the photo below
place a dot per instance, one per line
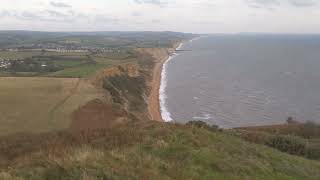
(13, 55)
(41, 104)
(61, 64)
(40, 89)
(98, 62)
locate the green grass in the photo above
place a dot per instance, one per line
(39, 104)
(123, 54)
(79, 71)
(90, 69)
(71, 64)
(151, 150)
(295, 138)
(18, 55)
(65, 53)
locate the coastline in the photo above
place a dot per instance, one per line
(161, 82)
(164, 112)
(156, 98)
(160, 57)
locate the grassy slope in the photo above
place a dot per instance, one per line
(151, 150)
(80, 71)
(295, 138)
(41, 104)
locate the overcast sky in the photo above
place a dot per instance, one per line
(198, 16)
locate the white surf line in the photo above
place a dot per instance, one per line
(196, 38)
(165, 114)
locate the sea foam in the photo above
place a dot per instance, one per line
(165, 114)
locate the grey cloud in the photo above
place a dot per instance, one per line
(27, 15)
(4, 14)
(49, 15)
(45, 15)
(136, 14)
(303, 3)
(271, 4)
(262, 3)
(59, 4)
(105, 19)
(156, 21)
(268, 5)
(57, 14)
(153, 2)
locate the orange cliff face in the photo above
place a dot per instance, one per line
(160, 56)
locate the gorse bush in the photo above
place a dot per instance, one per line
(310, 130)
(294, 137)
(204, 125)
(286, 143)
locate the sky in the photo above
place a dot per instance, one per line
(195, 16)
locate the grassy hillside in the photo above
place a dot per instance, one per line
(296, 138)
(41, 104)
(147, 150)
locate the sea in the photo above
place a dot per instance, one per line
(243, 80)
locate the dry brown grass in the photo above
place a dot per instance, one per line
(41, 104)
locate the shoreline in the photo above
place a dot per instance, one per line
(160, 57)
(164, 112)
(154, 99)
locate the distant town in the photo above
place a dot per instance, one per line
(7, 62)
(60, 48)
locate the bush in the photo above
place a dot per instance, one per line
(313, 149)
(286, 143)
(310, 130)
(291, 121)
(204, 125)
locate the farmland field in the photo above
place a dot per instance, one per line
(79, 71)
(41, 104)
(12, 55)
(40, 90)
(61, 64)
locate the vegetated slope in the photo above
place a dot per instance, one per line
(127, 88)
(296, 138)
(41, 104)
(147, 150)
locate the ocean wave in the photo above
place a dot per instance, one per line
(205, 116)
(180, 46)
(195, 39)
(165, 114)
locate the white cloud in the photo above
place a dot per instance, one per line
(60, 4)
(299, 16)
